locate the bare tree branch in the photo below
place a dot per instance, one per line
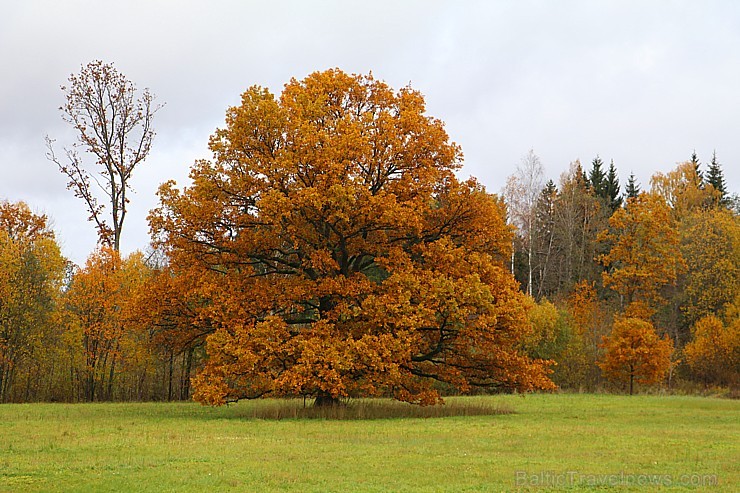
(114, 126)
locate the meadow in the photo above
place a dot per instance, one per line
(537, 442)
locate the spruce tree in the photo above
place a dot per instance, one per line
(597, 178)
(584, 178)
(697, 168)
(715, 177)
(612, 197)
(632, 190)
(550, 189)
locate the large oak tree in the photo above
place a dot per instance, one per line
(340, 254)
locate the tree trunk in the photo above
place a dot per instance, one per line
(529, 260)
(513, 250)
(111, 374)
(89, 385)
(324, 399)
(169, 376)
(544, 271)
(2, 382)
(185, 380)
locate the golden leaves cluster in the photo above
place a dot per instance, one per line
(31, 274)
(644, 252)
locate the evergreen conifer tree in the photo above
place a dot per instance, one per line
(612, 197)
(597, 178)
(632, 190)
(715, 177)
(697, 167)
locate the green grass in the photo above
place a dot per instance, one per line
(186, 447)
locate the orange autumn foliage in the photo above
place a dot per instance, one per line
(99, 305)
(173, 305)
(644, 253)
(339, 254)
(635, 353)
(590, 322)
(714, 353)
(584, 307)
(31, 273)
(710, 242)
(683, 190)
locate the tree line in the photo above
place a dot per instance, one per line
(328, 250)
(664, 259)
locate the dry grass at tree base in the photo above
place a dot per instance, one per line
(361, 409)
(261, 446)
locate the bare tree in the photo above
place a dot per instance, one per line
(115, 127)
(578, 218)
(522, 192)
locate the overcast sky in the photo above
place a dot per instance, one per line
(643, 83)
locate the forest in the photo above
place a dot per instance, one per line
(330, 250)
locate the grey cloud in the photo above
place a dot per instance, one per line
(643, 83)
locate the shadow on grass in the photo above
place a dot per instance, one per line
(365, 409)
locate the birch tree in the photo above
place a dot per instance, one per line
(522, 193)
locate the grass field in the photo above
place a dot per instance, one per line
(579, 442)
